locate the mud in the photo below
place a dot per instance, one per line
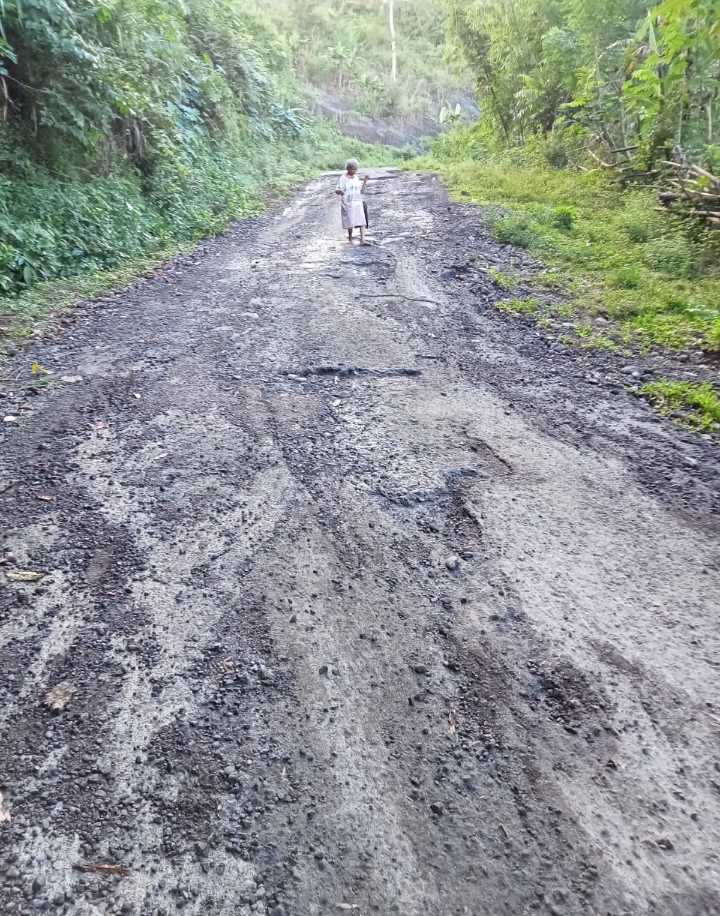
(371, 600)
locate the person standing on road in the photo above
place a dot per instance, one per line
(352, 208)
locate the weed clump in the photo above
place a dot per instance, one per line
(514, 230)
(695, 405)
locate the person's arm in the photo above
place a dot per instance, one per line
(364, 184)
(339, 188)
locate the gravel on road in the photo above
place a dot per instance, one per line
(351, 594)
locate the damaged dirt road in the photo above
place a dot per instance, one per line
(366, 597)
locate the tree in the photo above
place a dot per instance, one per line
(393, 42)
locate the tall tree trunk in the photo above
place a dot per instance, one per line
(393, 43)
(708, 116)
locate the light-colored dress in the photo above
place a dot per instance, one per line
(351, 203)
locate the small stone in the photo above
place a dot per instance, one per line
(12, 873)
(436, 808)
(420, 669)
(452, 563)
(665, 843)
(323, 670)
(38, 884)
(293, 619)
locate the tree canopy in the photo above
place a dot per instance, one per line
(637, 81)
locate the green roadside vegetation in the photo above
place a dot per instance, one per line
(628, 277)
(606, 247)
(694, 405)
(597, 114)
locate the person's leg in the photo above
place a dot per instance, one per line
(350, 235)
(362, 236)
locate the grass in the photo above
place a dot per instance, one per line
(606, 248)
(692, 404)
(20, 315)
(520, 306)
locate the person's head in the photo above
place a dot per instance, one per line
(352, 167)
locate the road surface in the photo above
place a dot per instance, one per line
(364, 597)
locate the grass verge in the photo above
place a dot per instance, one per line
(605, 247)
(21, 314)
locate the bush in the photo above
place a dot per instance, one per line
(514, 230)
(638, 229)
(626, 278)
(673, 257)
(646, 270)
(563, 218)
(556, 154)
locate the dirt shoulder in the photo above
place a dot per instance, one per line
(369, 599)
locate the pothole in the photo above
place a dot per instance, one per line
(349, 372)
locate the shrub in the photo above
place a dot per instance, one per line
(673, 257)
(626, 278)
(514, 230)
(563, 218)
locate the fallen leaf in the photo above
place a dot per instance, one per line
(103, 869)
(337, 403)
(71, 378)
(45, 499)
(158, 457)
(24, 575)
(453, 722)
(136, 395)
(36, 368)
(60, 696)
(4, 812)
(10, 419)
(347, 906)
